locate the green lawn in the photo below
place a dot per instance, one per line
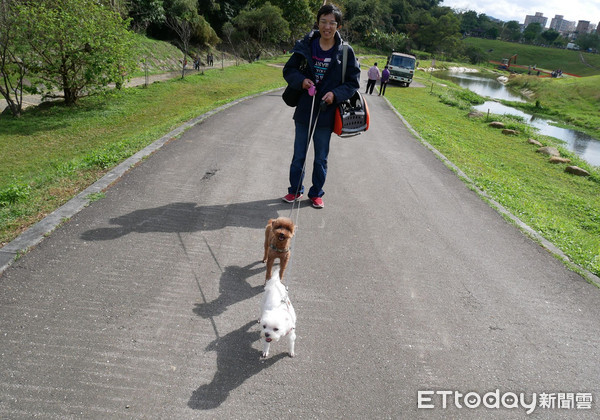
(545, 58)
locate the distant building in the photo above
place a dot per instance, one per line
(570, 26)
(583, 27)
(559, 24)
(538, 18)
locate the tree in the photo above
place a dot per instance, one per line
(228, 31)
(468, 22)
(532, 31)
(437, 31)
(384, 41)
(218, 12)
(182, 26)
(78, 46)
(297, 13)
(255, 27)
(589, 41)
(486, 28)
(491, 31)
(476, 55)
(265, 25)
(204, 34)
(119, 6)
(183, 19)
(511, 31)
(550, 36)
(400, 11)
(448, 32)
(12, 66)
(364, 17)
(145, 12)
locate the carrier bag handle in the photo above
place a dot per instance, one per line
(344, 60)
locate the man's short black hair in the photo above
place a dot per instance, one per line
(328, 9)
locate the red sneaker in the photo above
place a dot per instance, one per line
(290, 198)
(317, 202)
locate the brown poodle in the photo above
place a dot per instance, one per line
(278, 236)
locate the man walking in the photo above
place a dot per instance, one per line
(385, 77)
(373, 75)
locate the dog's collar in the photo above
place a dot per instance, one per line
(273, 247)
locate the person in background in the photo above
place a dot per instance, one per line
(385, 77)
(373, 75)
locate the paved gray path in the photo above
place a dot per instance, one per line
(144, 304)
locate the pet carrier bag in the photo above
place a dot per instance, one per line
(351, 116)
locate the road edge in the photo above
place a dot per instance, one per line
(504, 212)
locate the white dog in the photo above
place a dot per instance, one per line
(278, 318)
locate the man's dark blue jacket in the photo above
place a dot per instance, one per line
(300, 66)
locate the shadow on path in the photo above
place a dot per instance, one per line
(189, 217)
(236, 362)
(233, 288)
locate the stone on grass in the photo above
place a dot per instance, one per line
(556, 159)
(497, 124)
(509, 132)
(534, 141)
(475, 114)
(548, 150)
(576, 170)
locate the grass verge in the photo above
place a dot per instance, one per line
(564, 208)
(53, 152)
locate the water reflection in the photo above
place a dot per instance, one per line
(584, 145)
(580, 143)
(483, 85)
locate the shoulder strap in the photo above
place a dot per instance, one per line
(344, 60)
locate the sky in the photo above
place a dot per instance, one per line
(573, 10)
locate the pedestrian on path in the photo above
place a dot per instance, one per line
(315, 62)
(373, 75)
(385, 77)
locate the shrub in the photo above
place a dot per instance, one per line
(14, 193)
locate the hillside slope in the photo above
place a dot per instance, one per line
(574, 62)
(574, 100)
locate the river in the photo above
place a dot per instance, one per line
(582, 144)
